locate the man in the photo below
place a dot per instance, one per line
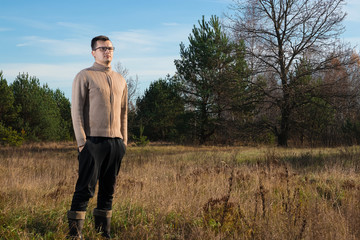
(99, 116)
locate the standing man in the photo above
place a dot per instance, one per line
(99, 116)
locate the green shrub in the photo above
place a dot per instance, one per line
(8, 136)
(141, 140)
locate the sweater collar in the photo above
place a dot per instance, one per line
(99, 67)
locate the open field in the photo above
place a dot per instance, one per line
(179, 192)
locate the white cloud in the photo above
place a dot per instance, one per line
(30, 22)
(84, 29)
(5, 29)
(149, 54)
(146, 43)
(55, 75)
(54, 47)
(60, 76)
(75, 26)
(23, 44)
(135, 38)
(58, 71)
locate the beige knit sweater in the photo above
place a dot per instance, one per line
(99, 104)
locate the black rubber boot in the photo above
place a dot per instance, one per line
(76, 221)
(103, 222)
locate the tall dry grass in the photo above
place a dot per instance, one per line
(178, 192)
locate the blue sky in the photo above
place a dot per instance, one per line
(51, 39)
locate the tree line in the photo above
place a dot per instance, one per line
(274, 72)
(29, 111)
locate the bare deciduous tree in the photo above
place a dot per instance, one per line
(132, 83)
(278, 35)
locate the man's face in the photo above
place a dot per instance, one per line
(103, 56)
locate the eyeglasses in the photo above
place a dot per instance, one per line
(103, 49)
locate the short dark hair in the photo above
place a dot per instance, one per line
(98, 38)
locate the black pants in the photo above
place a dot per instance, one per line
(99, 160)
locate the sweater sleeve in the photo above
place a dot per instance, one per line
(124, 115)
(78, 98)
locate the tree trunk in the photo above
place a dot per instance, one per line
(203, 123)
(283, 135)
(283, 138)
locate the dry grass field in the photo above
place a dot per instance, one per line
(179, 192)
